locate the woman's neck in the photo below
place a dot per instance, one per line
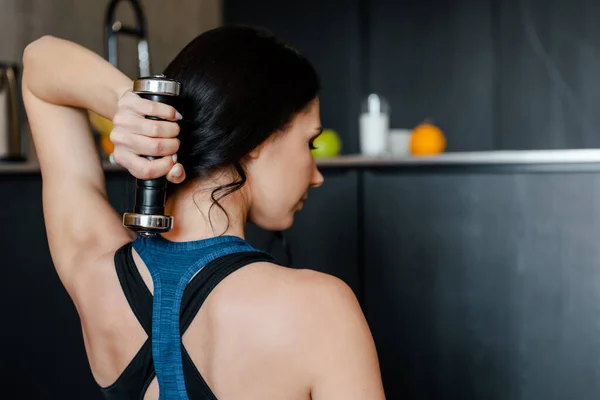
(190, 207)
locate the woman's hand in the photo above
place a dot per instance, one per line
(135, 136)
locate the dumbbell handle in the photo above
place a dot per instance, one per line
(150, 194)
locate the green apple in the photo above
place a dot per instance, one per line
(328, 144)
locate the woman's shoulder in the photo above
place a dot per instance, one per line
(298, 303)
(307, 320)
(287, 287)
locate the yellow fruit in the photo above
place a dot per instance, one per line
(427, 139)
(100, 124)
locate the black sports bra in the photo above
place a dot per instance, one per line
(137, 376)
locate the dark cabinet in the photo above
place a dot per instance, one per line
(484, 285)
(43, 355)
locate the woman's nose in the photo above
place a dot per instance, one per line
(317, 178)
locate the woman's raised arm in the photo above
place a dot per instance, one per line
(61, 80)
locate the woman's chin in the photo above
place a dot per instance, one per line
(279, 224)
(285, 223)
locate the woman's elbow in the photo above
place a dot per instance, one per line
(34, 47)
(32, 54)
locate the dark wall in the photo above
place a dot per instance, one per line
(548, 73)
(516, 74)
(329, 36)
(434, 60)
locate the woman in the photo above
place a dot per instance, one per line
(237, 150)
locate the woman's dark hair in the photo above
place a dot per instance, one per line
(239, 85)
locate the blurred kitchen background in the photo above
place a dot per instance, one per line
(472, 245)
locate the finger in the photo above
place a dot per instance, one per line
(176, 174)
(152, 128)
(142, 168)
(143, 126)
(147, 127)
(151, 108)
(144, 145)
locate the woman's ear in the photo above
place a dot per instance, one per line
(249, 158)
(253, 155)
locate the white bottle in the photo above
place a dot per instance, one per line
(374, 126)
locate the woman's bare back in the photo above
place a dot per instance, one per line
(257, 336)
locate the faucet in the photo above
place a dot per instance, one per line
(113, 28)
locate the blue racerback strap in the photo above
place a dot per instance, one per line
(172, 265)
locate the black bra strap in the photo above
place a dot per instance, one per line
(137, 293)
(209, 277)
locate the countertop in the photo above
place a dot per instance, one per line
(479, 158)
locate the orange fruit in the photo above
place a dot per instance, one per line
(427, 139)
(107, 145)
